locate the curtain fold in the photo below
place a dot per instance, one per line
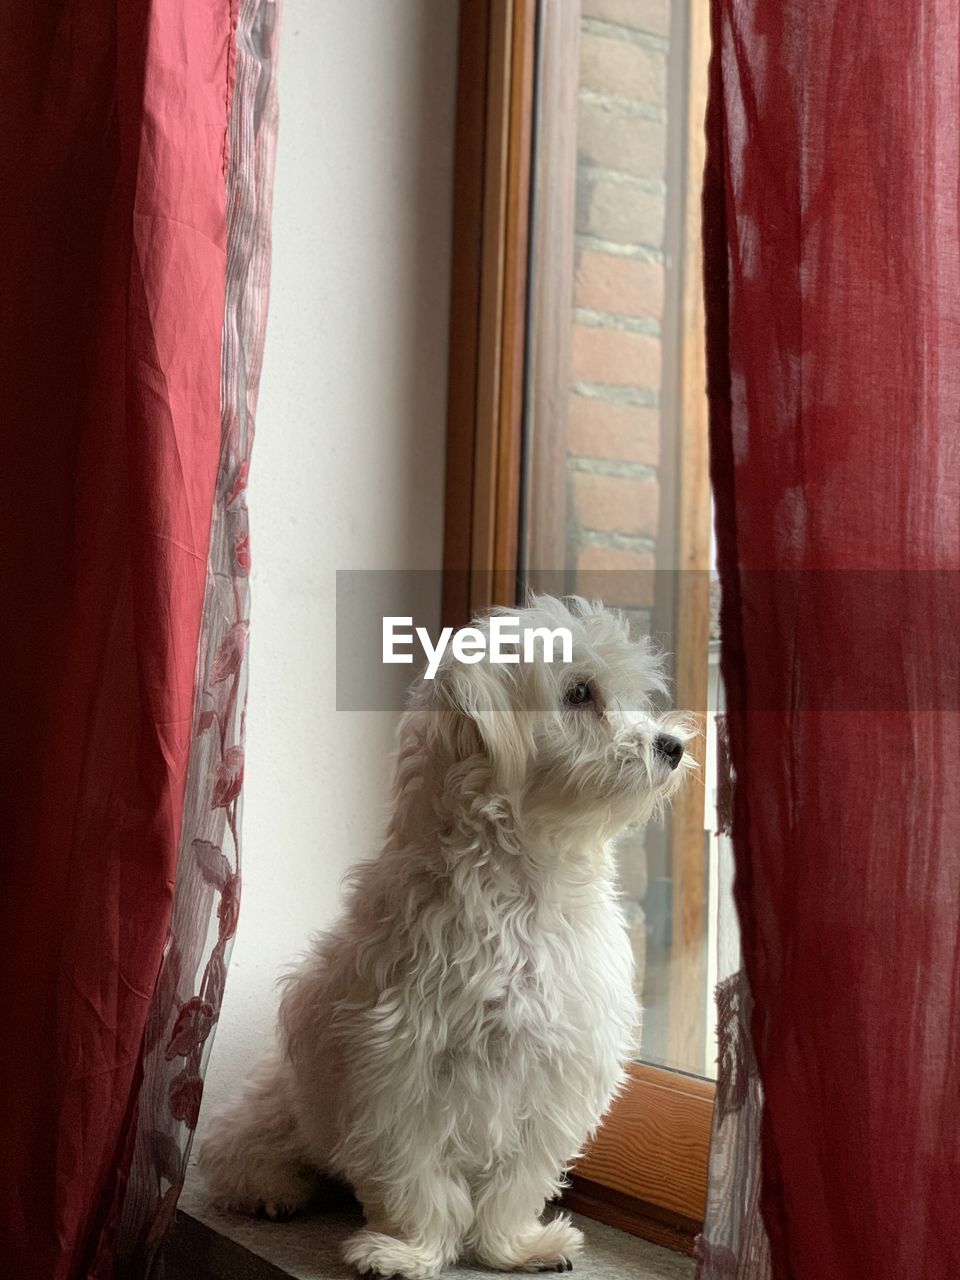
(186, 1004)
(833, 305)
(733, 1244)
(113, 231)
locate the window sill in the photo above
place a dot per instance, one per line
(208, 1245)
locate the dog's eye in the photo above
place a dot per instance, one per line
(578, 694)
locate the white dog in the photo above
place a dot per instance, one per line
(451, 1043)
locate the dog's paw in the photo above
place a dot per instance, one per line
(276, 1194)
(277, 1210)
(274, 1209)
(545, 1246)
(382, 1257)
(546, 1264)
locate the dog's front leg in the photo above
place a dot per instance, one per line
(414, 1224)
(508, 1233)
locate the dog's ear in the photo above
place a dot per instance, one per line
(478, 711)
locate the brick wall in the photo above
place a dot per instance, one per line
(613, 432)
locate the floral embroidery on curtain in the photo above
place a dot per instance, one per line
(187, 1000)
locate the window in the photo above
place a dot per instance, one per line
(577, 460)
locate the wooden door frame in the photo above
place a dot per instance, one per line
(646, 1171)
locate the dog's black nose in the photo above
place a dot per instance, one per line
(670, 748)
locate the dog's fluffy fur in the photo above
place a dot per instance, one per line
(451, 1043)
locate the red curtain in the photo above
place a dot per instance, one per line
(113, 154)
(833, 293)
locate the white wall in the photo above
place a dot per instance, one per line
(348, 462)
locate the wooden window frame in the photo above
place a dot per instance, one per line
(488, 304)
(646, 1171)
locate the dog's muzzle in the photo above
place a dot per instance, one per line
(669, 748)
